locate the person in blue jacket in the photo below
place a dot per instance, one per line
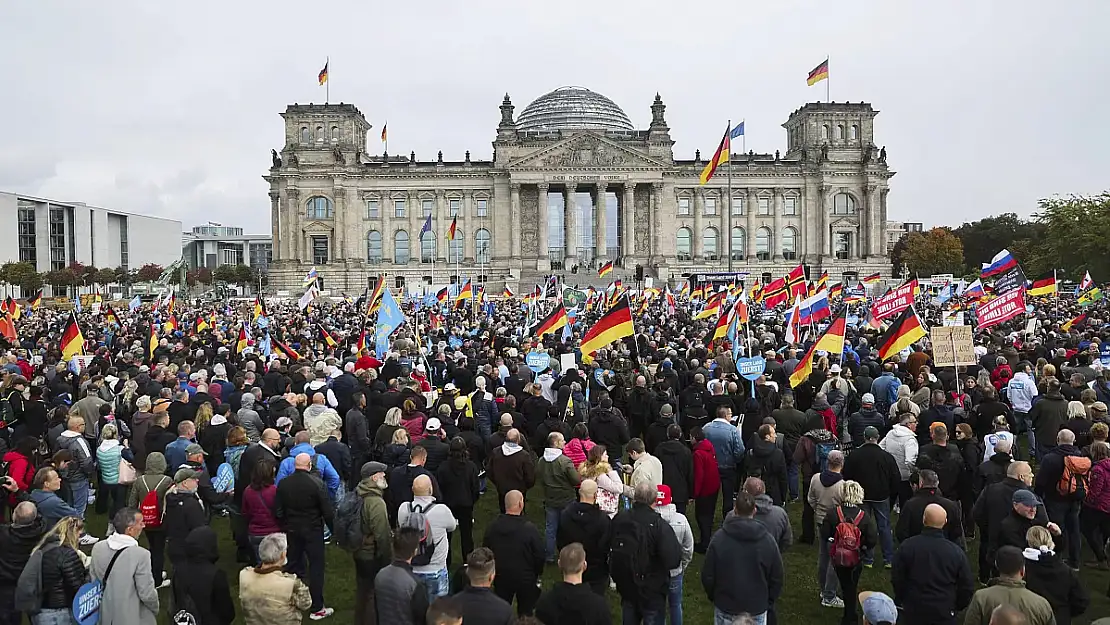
(319, 462)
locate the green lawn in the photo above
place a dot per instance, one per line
(799, 603)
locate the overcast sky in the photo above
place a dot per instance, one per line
(171, 109)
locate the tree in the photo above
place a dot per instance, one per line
(149, 272)
(935, 251)
(203, 275)
(1075, 235)
(22, 275)
(244, 275)
(125, 277)
(226, 273)
(59, 279)
(105, 276)
(81, 273)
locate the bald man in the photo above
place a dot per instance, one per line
(17, 541)
(518, 549)
(932, 577)
(430, 561)
(303, 507)
(584, 522)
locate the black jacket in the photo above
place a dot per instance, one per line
(875, 470)
(358, 434)
(609, 429)
(517, 547)
(214, 441)
(252, 455)
(302, 503)
(990, 472)
(479, 606)
(63, 573)
(157, 438)
(458, 483)
(662, 553)
(932, 579)
(861, 420)
(16, 544)
(339, 455)
(199, 578)
(183, 513)
(678, 469)
(1012, 529)
(400, 487)
(535, 410)
(572, 604)
(767, 462)
(743, 569)
(994, 505)
(1050, 578)
(947, 461)
(549, 425)
(656, 433)
(910, 521)
(585, 523)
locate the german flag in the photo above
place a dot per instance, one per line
(614, 325)
(171, 323)
(7, 328)
(11, 307)
(152, 343)
(361, 345)
(1071, 323)
(719, 158)
(832, 341)
(201, 325)
(698, 292)
(905, 331)
(259, 308)
(289, 352)
(375, 300)
(553, 321)
(327, 338)
(35, 300)
(465, 294)
(605, 269)
(323, 75)
(508, 293)
(823, 281)
(712, 306)
(110, 316)
(1046, 285)
(819, 73)
(173, 302)
(443, 294)
(837, 290)
(721, 330)
(73, 342)
(872, 279)
(452, 231)
(685, 290)
(241, 343)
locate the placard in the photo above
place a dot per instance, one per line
(566, 362)
(537, 361)
(894, 302)
(953, 345)
(751, 368)
(1002, 308)
(225, 479)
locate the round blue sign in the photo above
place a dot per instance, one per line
(86, 604)
(537, 361)
(751, 368)
(225, 479)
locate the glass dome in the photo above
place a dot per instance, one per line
(573, 108)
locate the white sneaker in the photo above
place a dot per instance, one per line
(322, 614)
(835, 602)
(88, 539)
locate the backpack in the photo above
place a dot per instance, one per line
(150, 507)
(315, 470)
(822, 450)
(184, 609)
(347, 529)
(7, 413)
(418, 520)
(846, 541)
(1074, 477)
(628, 557)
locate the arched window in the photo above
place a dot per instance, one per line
(319, 207)
(306, 135)
(335, 134)
(789, 243)
(481, 246)
(428, 247)
(374, 247)
(401, 248)
(839, 132)
(825, 132)
(709, 243)
(844, 204)
(763, 244)
(320, 133)
(682, 244)
(853, 132)
(737, 246)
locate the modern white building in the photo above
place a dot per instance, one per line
(51, 234)
(215, 244)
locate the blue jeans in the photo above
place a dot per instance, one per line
(826, 575)
(437, 584)
(80, 491)
(632, 615)
(674, 599)
(792, 478)
(54, 616)
(1023, 422)
(551, 529)
(880, 511)
(724, 618)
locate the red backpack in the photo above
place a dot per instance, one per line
(846, 542)
(149, 506)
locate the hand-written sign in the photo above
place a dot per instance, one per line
(952, 345)
(1002, 308)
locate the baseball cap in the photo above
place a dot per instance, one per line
(868, 399)
(662, 495)
(370, 468)
(433, 425)
(194, 448)
(870, 432)
(1026, 498)
(449, 388)
(878, 607)
(185, 473)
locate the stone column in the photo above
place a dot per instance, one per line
(385, 209)
(628, 220)
(293, 202)
(276, 224)
(749, 224)
(416, 221)
(601, 250)
(875, 220)
(543, 254)
(570, 231)
(441, 221)
(514, 211)
(656, 226)
(697, 248)
(776, 208)
(469, 244)
(338, 241)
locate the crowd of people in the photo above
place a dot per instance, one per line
(317, 448)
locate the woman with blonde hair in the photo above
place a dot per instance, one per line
(384, 435)
(110, 455)
(609, 485)
(850, 511)
(64, 570)
(204, 416)
(1078, 423)
(1048, 576)
(396, 453)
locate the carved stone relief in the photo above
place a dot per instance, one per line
(586, 152)
(641, 224)
(529, 221)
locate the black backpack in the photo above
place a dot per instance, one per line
(628, 557)
(348, 522)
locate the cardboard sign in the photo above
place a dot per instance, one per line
(751, 368)
(953, 345)
(566, 362)
(894, 302)
(1002, 308)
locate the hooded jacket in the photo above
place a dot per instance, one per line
(774, 518)
(82, 468)
(183, 512)
(682, 532)
(911, 523)
(517, 547)
(991, 472)
(1048, 416)
(1048, 576)
(767, 462)
(742, 571)
(377, 544)
(826, 491)
(577, 448)
(678, 469)
(140, 425)
(511, 468)
(16, 543)
(901, 443)
(609, 429)
(198, 578)
(1020, 389)
(1098, 487)
(559, 478)
(707, 477)
(587, 524)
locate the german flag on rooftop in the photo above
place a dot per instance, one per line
(819, 73)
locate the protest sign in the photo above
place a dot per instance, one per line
(1000, 309)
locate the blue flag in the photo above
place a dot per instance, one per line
(738, 131)
(135, 303)
(427, 225)
(389, 319)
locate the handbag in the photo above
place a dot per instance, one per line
(607, 500)
(127, 473)
(86, 603)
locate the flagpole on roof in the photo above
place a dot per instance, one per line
(828, 98)
(730, 197)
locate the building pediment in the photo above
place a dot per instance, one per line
(586, 150)
(845, 222)
(317, 227)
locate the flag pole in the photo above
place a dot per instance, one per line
(327, 81)
(730, 196)
(828, 80)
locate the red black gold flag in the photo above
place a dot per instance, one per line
(555, 320)
(613, 326)
(819, 73)
(905, 331)
(289, 352)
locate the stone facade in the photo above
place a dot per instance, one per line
(822, 202)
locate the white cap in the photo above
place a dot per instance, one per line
(433, 425)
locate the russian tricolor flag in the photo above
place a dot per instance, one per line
(1001, 262)
(815, 308)
(975, 289)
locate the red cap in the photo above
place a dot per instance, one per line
(662, 495)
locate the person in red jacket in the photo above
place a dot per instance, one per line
(707, 481)
(21, 466)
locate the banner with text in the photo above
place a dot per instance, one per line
(1002, 308)
(894, 302)
(1009, 280)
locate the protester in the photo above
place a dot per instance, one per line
(743, 571)
(1048, 576)
(478, 605)
(932, 578)
(570, 601)
(665, 507)
(878, 473)
(587, 525)
(518, 546)
(644, 551)
(131, 597)
(17, 542)
(849, 532)
(427, 514)
(1009, 590)
(374, 552)
(303, 508)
